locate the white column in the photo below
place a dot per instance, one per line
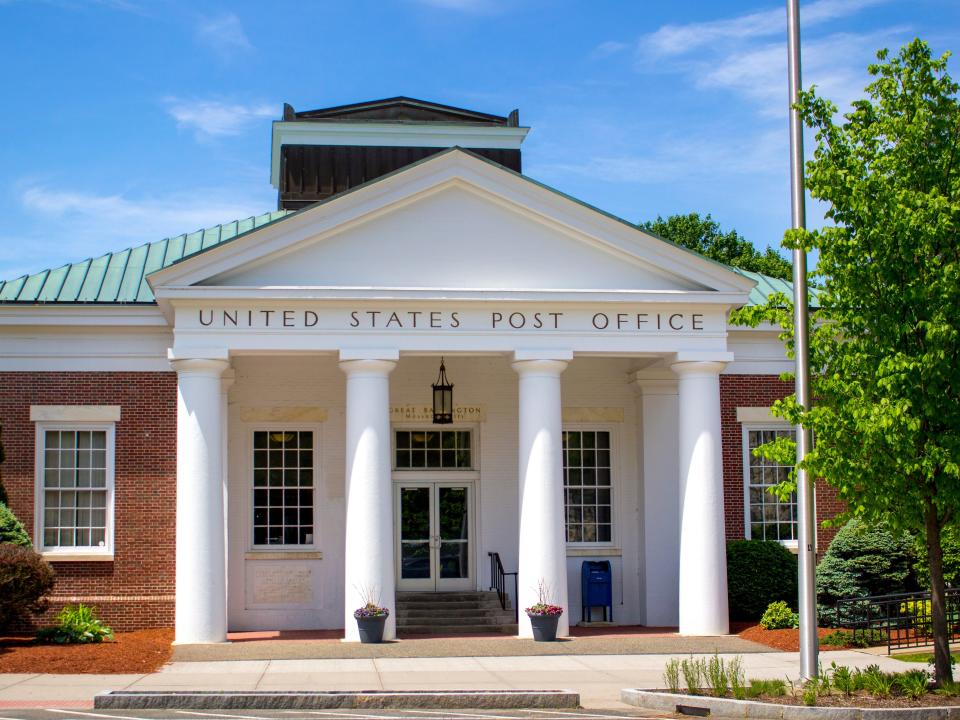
(201, 593)
(368, 549)
(703, 555)
(543, 545)
(661, 501)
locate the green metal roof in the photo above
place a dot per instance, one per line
(767, 286)
(120, 277)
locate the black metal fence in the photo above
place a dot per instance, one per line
(902, 620)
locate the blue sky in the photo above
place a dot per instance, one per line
(126, 121)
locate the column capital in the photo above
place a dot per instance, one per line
(199, 366)
(698, 367)
(543, 368)
(369, 368)
(658, 385)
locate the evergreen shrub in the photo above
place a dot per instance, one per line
(11, 529)
(863, 560)
(759, 572)
(26, 579)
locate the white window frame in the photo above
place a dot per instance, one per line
(612, 430)
(251, 506)
(77, 552)
(746, 428)
(436, 474)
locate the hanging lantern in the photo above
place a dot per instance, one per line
(442, 398)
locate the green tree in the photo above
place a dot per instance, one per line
(885, 350)
(3, 456)
(703, 235)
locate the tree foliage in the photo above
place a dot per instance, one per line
(885, 350)
(703, 235)
(26, 580)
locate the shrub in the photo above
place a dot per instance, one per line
(76, 624)
(847, 638)
(759, 572)
(693, 671)
(717, 676)
(913, 683)
(863, 560)
(26, 580)
(11, 529)
(671, 675)
(778, 616)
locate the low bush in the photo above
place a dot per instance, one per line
(26, 580)
(671, 675)
(11, 529)
(76, 624)
(846, 638)
(778, 616)
(759, 572)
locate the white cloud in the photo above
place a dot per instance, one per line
(224, 34)
(680, 159)
(212, 118)
(68, 225)
(673, 40)
(608, 48)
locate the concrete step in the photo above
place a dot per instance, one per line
(510, 629)
(475, 596)
(443, 612)
(463, 607)
(453, 621)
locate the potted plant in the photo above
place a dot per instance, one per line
(544, 617)
(370, 621)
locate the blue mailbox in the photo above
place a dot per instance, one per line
(595, 588)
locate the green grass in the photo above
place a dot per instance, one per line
(922, 657)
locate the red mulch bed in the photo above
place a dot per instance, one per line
(787, 640)
(142, 651)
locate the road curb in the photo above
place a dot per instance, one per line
(368, 699)
(699, 705)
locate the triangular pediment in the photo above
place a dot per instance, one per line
(454, 222)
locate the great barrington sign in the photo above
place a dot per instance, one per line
(668, 320)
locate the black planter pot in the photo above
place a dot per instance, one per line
(371, 629)
(544, 627)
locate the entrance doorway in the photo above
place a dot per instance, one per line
(434, 527)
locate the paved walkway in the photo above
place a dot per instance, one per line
(598, 678)
(328, 645)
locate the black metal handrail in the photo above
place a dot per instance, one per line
(498, 580)
(903, 619)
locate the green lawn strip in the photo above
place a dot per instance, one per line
(922, 657)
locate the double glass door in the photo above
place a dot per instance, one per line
(434, 524)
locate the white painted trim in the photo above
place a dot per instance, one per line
(588, 551)
(436, 135)
(55, 556)
(283, 555)
(455, 169)
(205, 293)
(57, 314)
(75, 413)
(758, 415)
(106, 552)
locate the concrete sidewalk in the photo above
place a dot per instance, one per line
(598, 678)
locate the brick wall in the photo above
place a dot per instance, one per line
(136, 589)
(758, 391)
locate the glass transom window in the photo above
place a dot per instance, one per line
(587, 485)
(283, 463)
(770, 518)
(75, 488)
(433, 450)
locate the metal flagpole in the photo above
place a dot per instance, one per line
(807, 560)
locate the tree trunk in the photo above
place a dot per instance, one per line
(943, 668)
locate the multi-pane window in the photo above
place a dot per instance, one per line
(77, 484)
(770, 517)
(283, 482)
(433, 450)
(587, 483)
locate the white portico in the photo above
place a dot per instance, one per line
(579, 348)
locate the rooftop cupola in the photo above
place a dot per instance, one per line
(318, 153)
